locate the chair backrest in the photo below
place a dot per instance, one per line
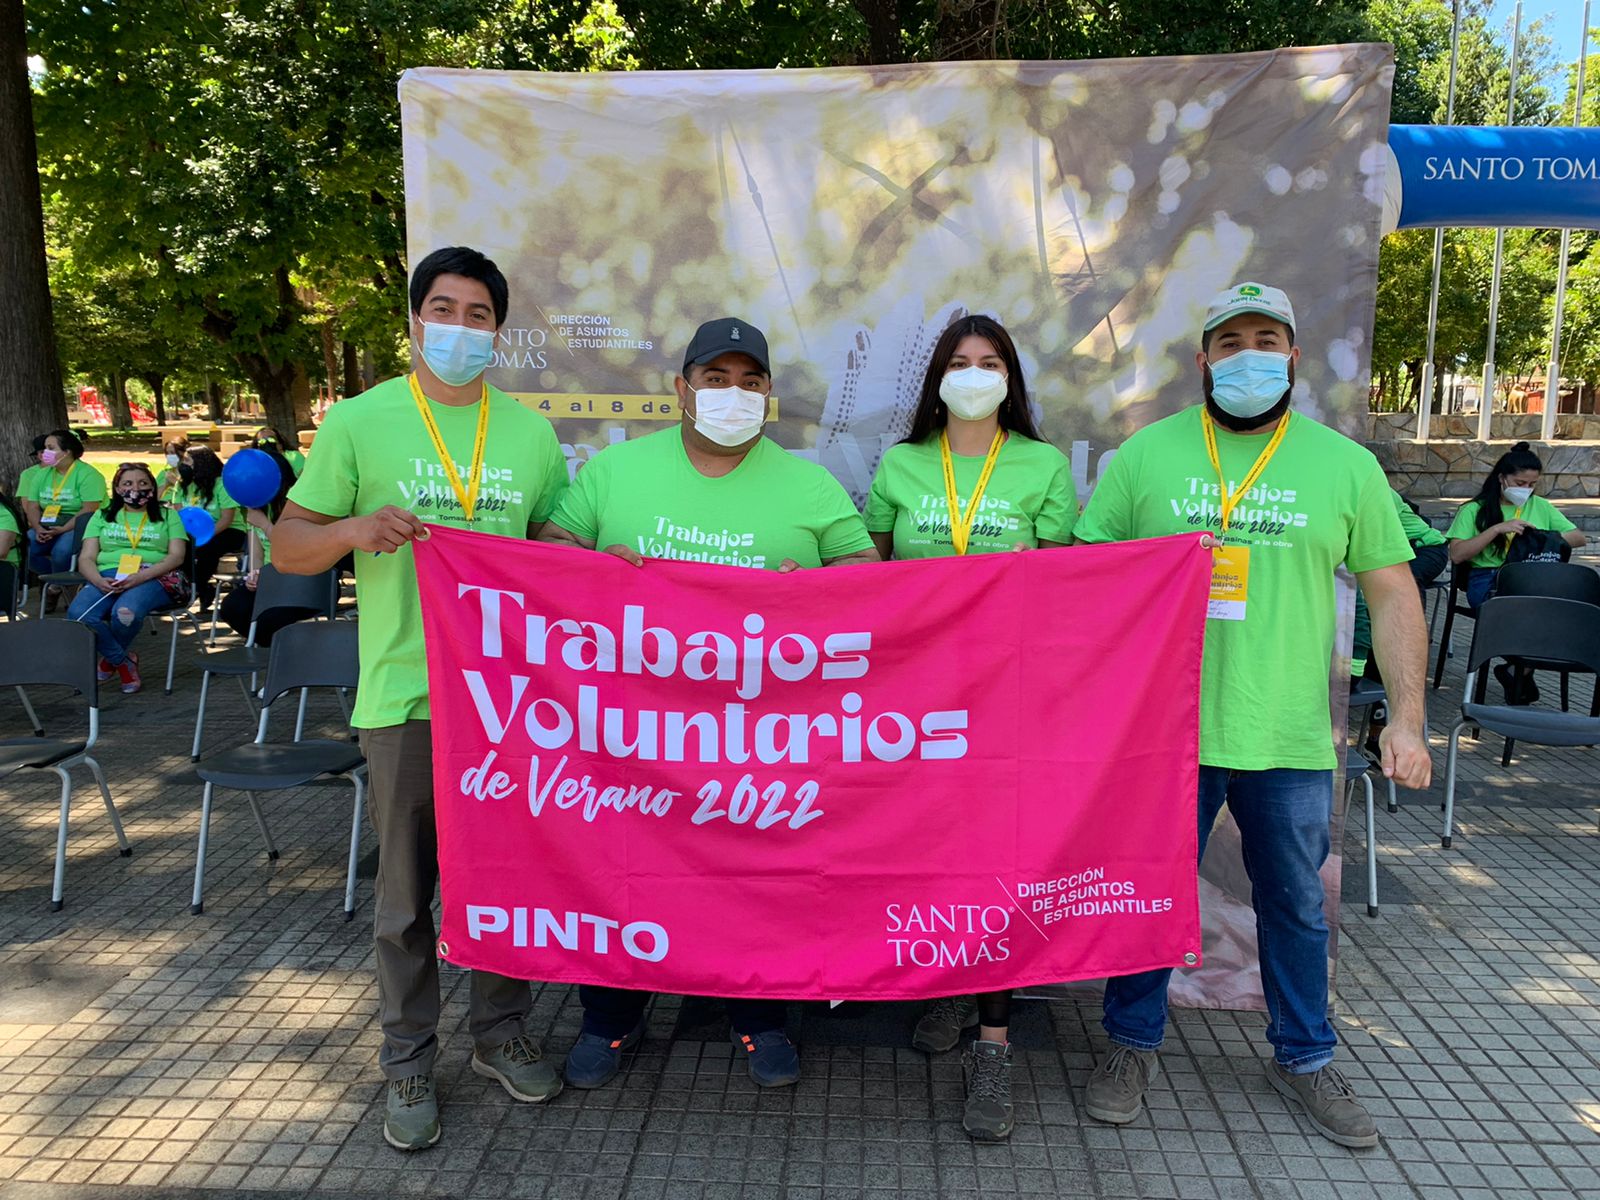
(49, 652)
(313, 654)
(1536, 627)
(275, 589)
(1565, 581)
(75, 531)
(8, 590)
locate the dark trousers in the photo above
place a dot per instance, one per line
(610, 1012)
(208, 557)
(238, 609)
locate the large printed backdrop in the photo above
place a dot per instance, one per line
(1093, 207)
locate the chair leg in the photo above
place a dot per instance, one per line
(300, 714)
(249, 694)
(355, 847)
(1566, 682)
(1433, 615)
(124, 849)
(1450, 783)
(1444, 645)
(172, 653)
(195, 906)
(61, 839)
(216, 606)
(200, 715)
(344, 703)
(1394, 799)
(1372, 849)
(261, 823)
(1505, 755)
(33, 717)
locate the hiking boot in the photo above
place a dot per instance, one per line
(594, 1061)
(411, 1121)
(128, 672)
(940, 1027)
(519, 1067)
(774, 1062)
(987, 1071)
(1116, 1089)
(1330, 1102)
(103, 670)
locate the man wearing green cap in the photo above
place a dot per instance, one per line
(1288, 501)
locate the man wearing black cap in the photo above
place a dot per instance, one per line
(712, 489)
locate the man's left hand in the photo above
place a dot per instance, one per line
(1406, 757)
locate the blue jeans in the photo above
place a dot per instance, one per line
(116, 618)
(1479, 581)
(1283, 822)
(54, 556)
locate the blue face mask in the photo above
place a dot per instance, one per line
(1250, 382)
(455, 353)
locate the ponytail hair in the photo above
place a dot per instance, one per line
(1514, 461)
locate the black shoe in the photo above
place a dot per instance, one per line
(1518, 691)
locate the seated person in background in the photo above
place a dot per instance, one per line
(30, 474)
(170, 481)
(1431, 557)
(12, 523)
(200, 486)
(239, 606)
(132, 550)
(1504, 507)
(55, 495)
(271, 438)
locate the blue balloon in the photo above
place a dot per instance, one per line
(252, 478)
(198, 524)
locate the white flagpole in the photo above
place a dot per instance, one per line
(1486, 403)
(1425, 396)
(1552, 381)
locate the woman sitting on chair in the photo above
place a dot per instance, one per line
(238, 606)
(1504, 507)
(132, 551)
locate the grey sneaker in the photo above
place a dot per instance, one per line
(941, 1026)
(519, 1067)
(1330, 1102)
(412, 1119)
(1116, 1089)
(987, 1068)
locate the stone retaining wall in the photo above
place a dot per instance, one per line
(1504, 427)
(1456, 469)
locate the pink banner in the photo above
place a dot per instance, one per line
(869, 782)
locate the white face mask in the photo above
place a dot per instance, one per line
(972, 392)
(173, 460)
(1516, 496)
(729, 416)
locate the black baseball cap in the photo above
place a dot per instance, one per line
(726, 335)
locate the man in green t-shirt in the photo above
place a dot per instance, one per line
(437, 447)
(1288, 500)
(710, 489)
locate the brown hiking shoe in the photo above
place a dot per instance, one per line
(1330, 1102)
(1116, 1089)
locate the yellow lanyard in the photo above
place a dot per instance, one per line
(135, 534)
(961, 523)
(1229, 501)
(468, 496)
(61, 483)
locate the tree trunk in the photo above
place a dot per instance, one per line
(967, 29)
(352, 370)
(214, 401)
(31, 401)
(369, 371)
(330, 357)
(117, 403)
(884, 44)
(158, 389)
(276, 384)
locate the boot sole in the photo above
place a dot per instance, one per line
(1112, 1116)
(488, 1072)
(409, 1147)
(1349, 1140)
(988, 1135)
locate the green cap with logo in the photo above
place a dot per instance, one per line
(1249, 298)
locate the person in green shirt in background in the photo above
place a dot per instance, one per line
(973, 477)
(11, 525)
(200, 486)
(270, 438)
(1288, 500)
(1505, 506)
(65, 488)
(710, 489)
(1429, 558)
(26, 480)
(238, 607)
(131, 552)
(437, 447)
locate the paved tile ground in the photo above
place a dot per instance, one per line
(148, 1053)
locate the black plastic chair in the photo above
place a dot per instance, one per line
(66, 579)
(11, 609)
(1534, 627)
(59, 653)
(274, 589)
(1452, 609)
(306, 655)
(1565, 581)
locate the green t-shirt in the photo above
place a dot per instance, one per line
(189, 497)
(155, 534)
(1538, 512)
(1030, 497)
(81, 485)
(1418, 532)
(28, 480)
(647, 495)
(1323, 500)
(297, 461)
(373, 449)
(8, 524)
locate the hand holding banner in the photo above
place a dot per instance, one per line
(864, 782)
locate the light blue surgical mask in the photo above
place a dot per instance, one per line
(1248, 383)
(455, 353)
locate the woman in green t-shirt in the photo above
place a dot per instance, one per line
(65, 488)
(131, 553)
(270, 438)
(1505, 506)
(200, 486)
(973, 435)
(12, 523)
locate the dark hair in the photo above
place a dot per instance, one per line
(461, 260)
(276, 436)
(286, 480)
(203, 475)
(1014, 414)
(11, 506)
(115, 504)
(1514, 461)
(68, 439)
(1205, 338)
(180, 440)
(38, 444)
